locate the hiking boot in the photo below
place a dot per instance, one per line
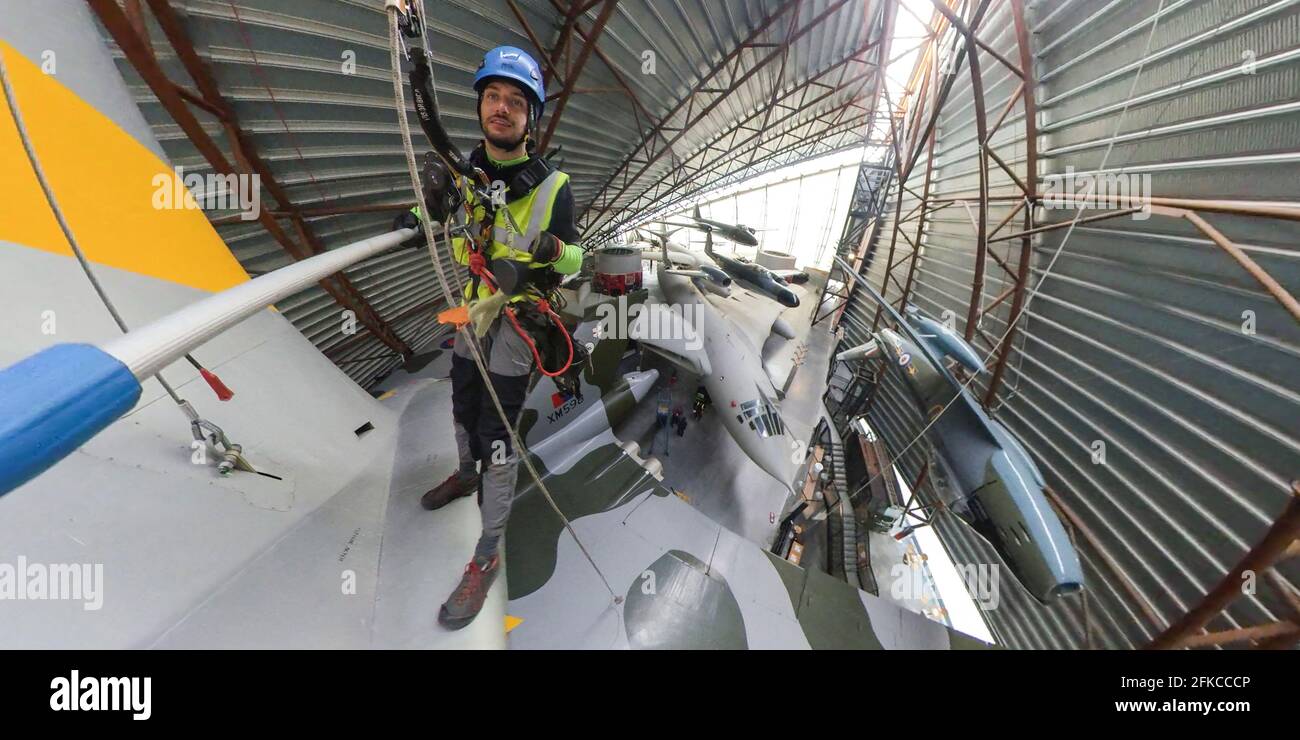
(456, 486)
(467, 600)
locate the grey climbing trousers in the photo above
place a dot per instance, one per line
(480, 434)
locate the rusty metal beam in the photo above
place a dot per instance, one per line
(1064, 224)
(566, 33)
(898, 212)
(1272, 630)
(1000, 298)
(317, 212)
(1010, 173)
(920, 223)
(362, 333)
(1265, 209)
(571, 75)
(1285, 530)
(1121, 576)
(1000, 58)
(638, 106)
(1030, 187)
(690, 174)
(1262, 276)
(691, 183)
(198, 101)
(1284, 590)
(1281, 642)
(981, 128)
(119, 26)
(1269, 283)
(932, 119)
(809, 144)
(135, 16)
(780, 75)
(610, 198)
(537, 42)
(1003, 264)
(1011, 103)
(929, 81)
(1006, 219)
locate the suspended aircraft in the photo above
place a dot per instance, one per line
(994, 485)
(774, 284)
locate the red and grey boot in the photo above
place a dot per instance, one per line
(456, 486)
(467, 600)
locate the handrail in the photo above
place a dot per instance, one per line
(56, 400)
(151, 348)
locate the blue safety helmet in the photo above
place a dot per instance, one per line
(516, 65)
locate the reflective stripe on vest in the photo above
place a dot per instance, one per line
(544, 194)
(541, 201)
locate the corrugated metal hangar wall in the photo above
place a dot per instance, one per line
(736, 88)
(1153, 379)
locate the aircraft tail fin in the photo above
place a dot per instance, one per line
(606, 356)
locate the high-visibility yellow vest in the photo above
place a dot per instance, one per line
(532, 213)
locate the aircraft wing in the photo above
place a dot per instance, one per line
(661, 328)
(684, 580)
(753, 314)
(676, 256)
(796, 277)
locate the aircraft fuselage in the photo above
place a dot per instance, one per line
(740, 387)
(758, 278)
(730, 232)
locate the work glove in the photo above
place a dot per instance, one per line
(486, 310)
(547, 248)
(408, 220)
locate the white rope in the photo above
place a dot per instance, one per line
(466, 334)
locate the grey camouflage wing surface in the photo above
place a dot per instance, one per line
(684, 580)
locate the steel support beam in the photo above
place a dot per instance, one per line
(571, 75)
(139, 56)
(1030, 187)
(1261, 557)
(725, 143)
(687, 102)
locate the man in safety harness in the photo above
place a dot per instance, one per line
(531, 247)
